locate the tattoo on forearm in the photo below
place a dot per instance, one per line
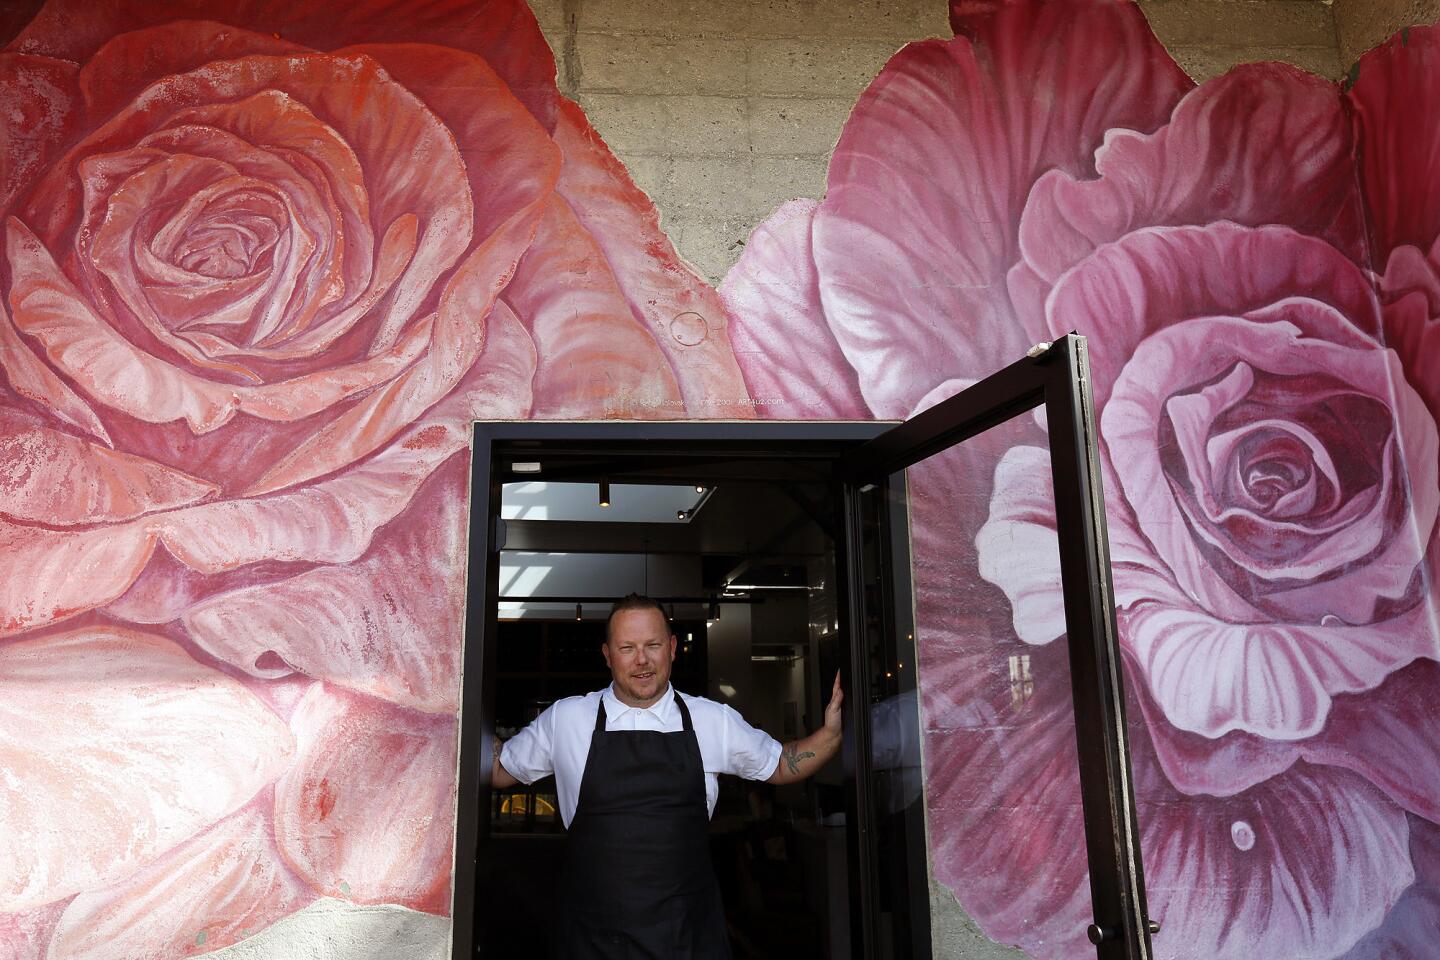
(794, 757)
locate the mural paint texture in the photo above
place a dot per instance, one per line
(264, 261)
(1255, 260)
(259, 276)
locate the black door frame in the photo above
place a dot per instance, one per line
(858, 455)
(642, 450)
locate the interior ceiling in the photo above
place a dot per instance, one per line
(548, 500)
(755, 533)
(739, 518)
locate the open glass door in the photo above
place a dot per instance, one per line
(994, 764)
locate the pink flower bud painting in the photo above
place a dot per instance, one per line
(264, 261)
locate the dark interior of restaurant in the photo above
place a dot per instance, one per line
(746, 572)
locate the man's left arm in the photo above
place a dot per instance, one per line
(804, 757)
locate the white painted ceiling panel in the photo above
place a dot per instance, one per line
(629, 502)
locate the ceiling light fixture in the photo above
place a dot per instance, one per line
(577, 611)
(604, 493)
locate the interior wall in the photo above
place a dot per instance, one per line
(758, 689)
(780, 620)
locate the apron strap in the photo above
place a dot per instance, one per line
(684, 711)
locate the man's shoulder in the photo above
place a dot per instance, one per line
(710, 710)
(566, 708)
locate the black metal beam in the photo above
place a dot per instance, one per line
(1112, 834)
(898, 600)
(860, 839)
(702, 436)
(708, 598)
(476, 734)
(985, 404)
(579, 536)
(663, 470)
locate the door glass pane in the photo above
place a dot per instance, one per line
(976, 787)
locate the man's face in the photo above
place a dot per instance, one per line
(639, 653)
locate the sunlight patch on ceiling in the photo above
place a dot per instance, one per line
(629, 502)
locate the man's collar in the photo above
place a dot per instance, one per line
(614, 708)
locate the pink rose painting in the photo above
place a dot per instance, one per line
(260, 271)
(1256, 262)
(263, 261)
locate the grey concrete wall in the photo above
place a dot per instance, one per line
(723, 110)
(1361, 24)
(1208, 37)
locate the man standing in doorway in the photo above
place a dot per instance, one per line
(636, 768)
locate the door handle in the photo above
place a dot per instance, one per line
(1098, 934)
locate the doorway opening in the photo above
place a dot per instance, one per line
(744, 564)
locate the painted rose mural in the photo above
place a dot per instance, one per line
(260, 271)
(264, 261)
(1255, 262)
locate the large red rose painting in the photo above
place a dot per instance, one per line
(1257, 263)
(260, 270)
(263, 261)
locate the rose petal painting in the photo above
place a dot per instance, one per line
(1254, 260)
(263, 263)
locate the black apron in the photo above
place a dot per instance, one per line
(637, 881)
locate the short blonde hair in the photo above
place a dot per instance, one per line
(636, 601)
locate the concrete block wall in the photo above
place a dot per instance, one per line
(1208, 37)
(1361, 24)
(724, 110)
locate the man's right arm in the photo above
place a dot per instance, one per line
(529, 753)
(804, 758)
(500, 778)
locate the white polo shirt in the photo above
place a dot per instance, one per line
(558, 741)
